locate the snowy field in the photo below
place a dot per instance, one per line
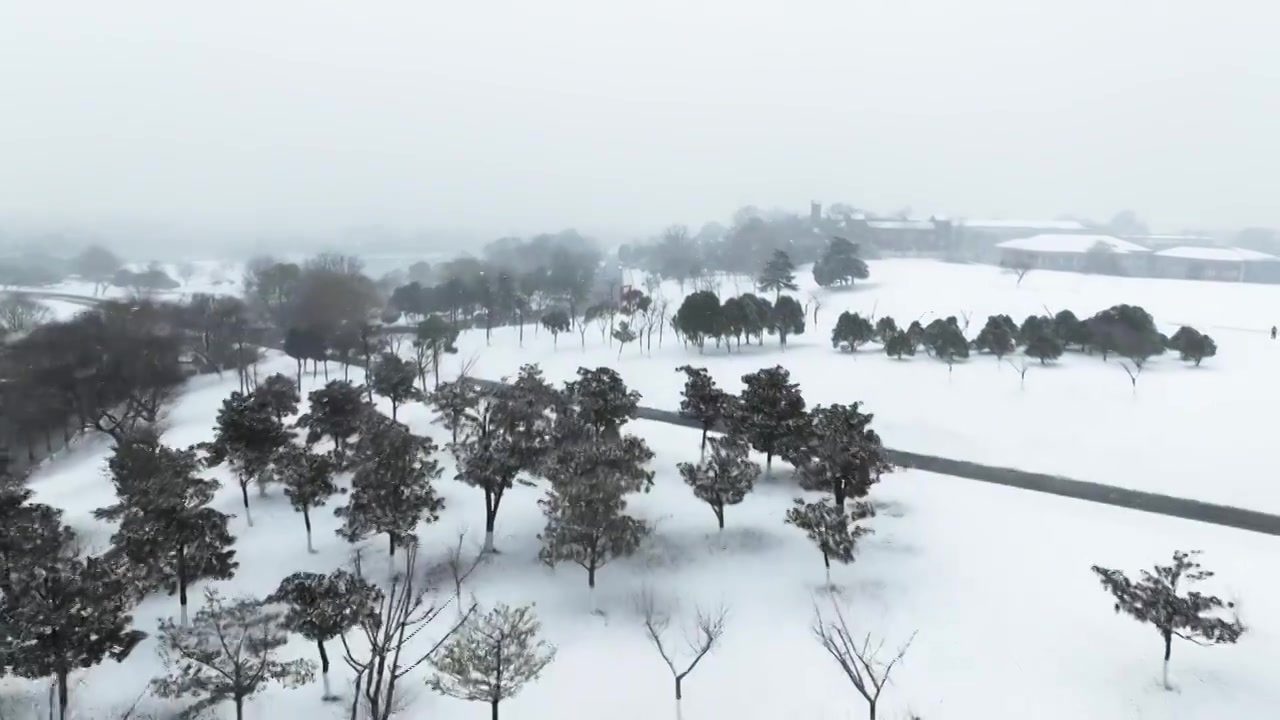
(1203, 433)
(1011, 622)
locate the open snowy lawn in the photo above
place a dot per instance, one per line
(1011, 622)
(1197, 432)
(214, 277)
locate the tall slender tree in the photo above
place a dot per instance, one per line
(308, 480)
(778, 274)
(322, 607)
(723, 479)
(702, 400)
(391, 490)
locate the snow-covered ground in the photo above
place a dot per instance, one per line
(1199, 432)
(1011, 622)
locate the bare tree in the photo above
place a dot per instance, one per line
(1021, 369)
(1134, 372)
(1019, 268)
(460, 568)
(700, 640)
(860, 661)
(815, 302)
(19, 313)
(388, 635)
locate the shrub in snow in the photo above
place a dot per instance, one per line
(1155, 599)
(492, 657)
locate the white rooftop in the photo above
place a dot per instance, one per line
(1067, 243)
(1025, 224)
(1219, 254)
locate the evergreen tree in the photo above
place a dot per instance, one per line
(166, 526)
(28, 530)
(778, 275)
(322, 607)
(585, 508)
(391, 490)
(228, 653)
(787, 318)
(623, 334)
(507, 432)
(64, 613)
(995, 337)
(702, 400)
(840, 264)
(1043, 345)
(1034, 326)
(831, 527)
(1155, 599)
(759, 312)
(1070, 329)
(435, 336)
(247, 436)
(851, 331)
(556, 321)
(899, 344)
(492, 657)
(700, 317)
(946, 341)
(724, 478)
(769, 413)
(1193, 345)
(395, 379)
(1127, 331)
(336, 412)
(308, 481)
(452, 402)
(279, 394)
(838, 452)
(885, 328)
(601, 400)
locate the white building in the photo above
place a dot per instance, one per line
(1074, 252)
(1215, 263)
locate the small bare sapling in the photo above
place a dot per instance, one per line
(699, 640)
(860, 660)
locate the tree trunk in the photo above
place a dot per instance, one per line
(306, 520)
(324, 668)
(720, 517)
(491, 501)
(182, 585)
(239, 707)
(244, 495)
(703, 452)
(62, 695)
(1168, 650)
(679, 689)
(591, 577)
(391, 544)
(395, 408)
(299, 376)
(326, 369)
(494, 706)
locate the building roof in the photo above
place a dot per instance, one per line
(1066, 243)
(1025, 224)
(1216, 254)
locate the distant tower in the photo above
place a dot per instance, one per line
(815, 212)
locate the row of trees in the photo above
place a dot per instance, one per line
(1127, 331)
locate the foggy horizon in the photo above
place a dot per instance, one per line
(299, 119)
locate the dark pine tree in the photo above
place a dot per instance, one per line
(391, 490)
(769, 412)
(851, 332)
(322, 607)
(395, 379)
(1155, 599)
(702, 400)
(336, 411)
(308, 480)
(778, 274)
(247, 435)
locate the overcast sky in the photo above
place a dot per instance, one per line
(621, 116)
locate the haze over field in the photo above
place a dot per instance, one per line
(506, 117)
